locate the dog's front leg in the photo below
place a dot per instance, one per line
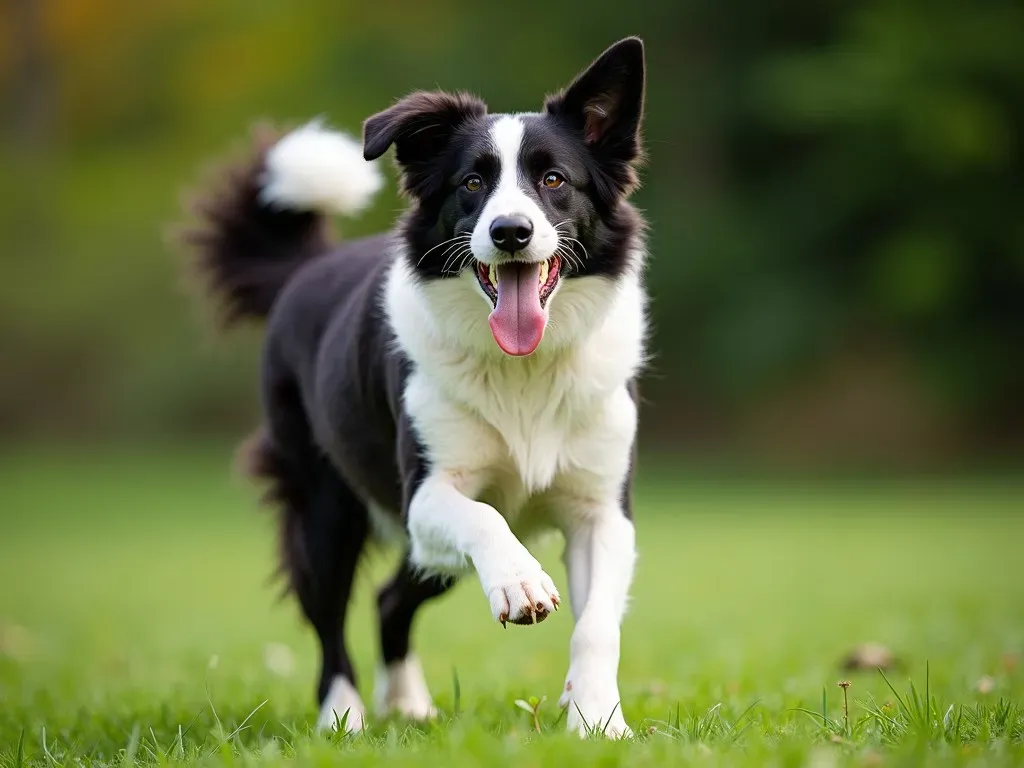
(450, 531)
(600, 554)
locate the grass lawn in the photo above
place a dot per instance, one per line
(137, 624)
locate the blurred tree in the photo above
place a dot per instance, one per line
(906, 194)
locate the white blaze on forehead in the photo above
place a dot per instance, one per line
(509, 198)
(507, 137)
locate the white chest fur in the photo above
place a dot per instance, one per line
(519, 430)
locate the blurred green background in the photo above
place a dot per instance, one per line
(836, 198)
(835, 192)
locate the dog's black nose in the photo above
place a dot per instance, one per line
(511, 233)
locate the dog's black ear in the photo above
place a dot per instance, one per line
(420, 126)
(605, 103)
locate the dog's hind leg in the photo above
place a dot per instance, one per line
(401, 687)
(335, 530)
(323, 527)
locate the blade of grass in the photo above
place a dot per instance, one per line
(824, 706)
(46, 749)
(826, 724)
(241, 725)
(456, 692)
(132, 748)
(899, 699)
(609, 720)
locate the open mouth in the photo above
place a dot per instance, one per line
(547, 276)
(519, 291)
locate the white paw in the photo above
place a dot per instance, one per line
(342, 698)
(522, 595)
(402, 689)
(593, 706)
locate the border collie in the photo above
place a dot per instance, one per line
(465, 380)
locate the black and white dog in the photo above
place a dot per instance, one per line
(465, 380)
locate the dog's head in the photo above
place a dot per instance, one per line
(514, 206)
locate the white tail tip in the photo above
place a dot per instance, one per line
(316, 169)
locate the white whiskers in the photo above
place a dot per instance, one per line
(462, 255)
(459, 239)
(565, 249)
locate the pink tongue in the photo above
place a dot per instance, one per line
(517, 321)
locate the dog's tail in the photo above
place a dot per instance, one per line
(268, 215)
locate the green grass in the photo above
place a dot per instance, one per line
(136, 623)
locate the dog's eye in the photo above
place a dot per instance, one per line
(473, 183)
(553, 180)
